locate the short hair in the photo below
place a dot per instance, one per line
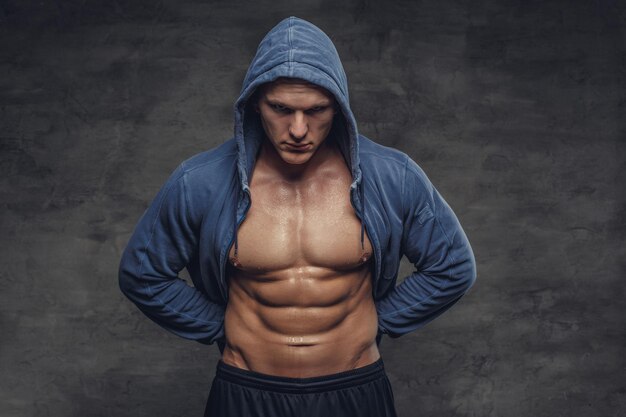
(286, 80)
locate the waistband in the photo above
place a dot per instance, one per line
(314, 384)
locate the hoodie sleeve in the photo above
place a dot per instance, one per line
(162, 244)
(434, 242)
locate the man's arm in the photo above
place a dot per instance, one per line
(164, 241)
(435, 243)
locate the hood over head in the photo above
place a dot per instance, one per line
(295, 48)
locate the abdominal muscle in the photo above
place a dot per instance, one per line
(301, 322)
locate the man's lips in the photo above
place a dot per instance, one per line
(298, 146)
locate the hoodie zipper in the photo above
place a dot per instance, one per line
(373, 241)
(230, 245)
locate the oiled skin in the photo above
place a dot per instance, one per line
(300, 294)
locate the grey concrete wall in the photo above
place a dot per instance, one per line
(513, 108)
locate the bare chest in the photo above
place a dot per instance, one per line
(311, 224)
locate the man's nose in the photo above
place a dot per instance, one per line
(299, 126)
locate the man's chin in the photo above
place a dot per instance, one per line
(296, 158)
(296, 161)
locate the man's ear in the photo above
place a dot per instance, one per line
(255, 100)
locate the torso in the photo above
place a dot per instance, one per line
(300, 291)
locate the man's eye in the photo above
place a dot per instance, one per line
(279, 108)
(317, 109)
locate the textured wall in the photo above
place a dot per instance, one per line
(511, 107)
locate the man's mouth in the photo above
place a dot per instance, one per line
(299, 146)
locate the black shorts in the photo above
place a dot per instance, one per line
(361, 392)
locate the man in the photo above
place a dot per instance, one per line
(292, 233)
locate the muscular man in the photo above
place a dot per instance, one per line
(292, 232)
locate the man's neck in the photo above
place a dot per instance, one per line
(270, 162)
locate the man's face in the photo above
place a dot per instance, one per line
(296, 117)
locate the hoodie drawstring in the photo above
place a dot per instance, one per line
(235, 224)
(362, 213)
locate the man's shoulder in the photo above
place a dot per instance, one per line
(391, 166)
(211, 160)
(209, 170)
(374, 154)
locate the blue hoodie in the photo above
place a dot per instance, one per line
(192, 222)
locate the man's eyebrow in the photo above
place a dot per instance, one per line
(275, 102)
(322, 103)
